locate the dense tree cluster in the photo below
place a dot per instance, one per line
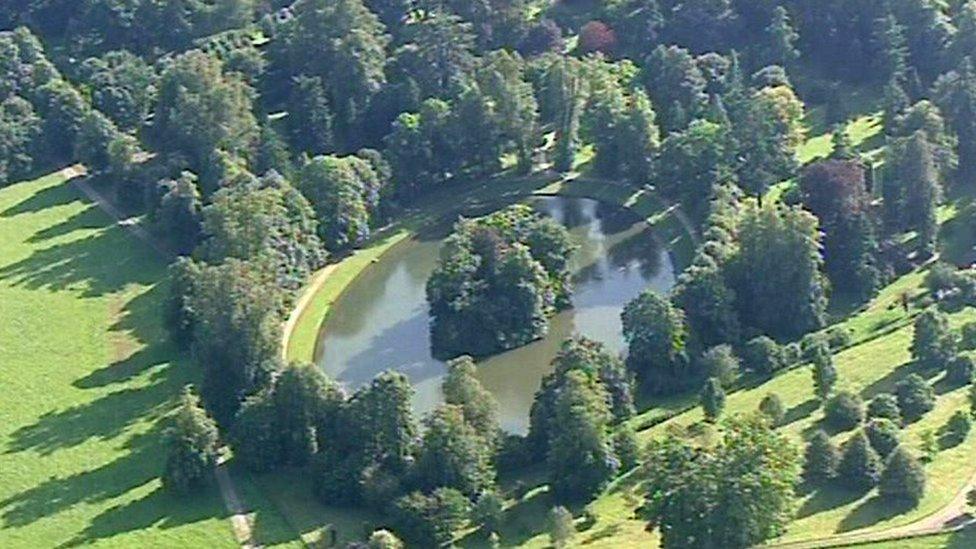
(505, 273)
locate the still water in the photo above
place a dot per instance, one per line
(381, 321)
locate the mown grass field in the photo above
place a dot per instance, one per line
(86, 380)
(965, 539)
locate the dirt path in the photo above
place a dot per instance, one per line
(239, 519)
(951, 518)
(131, 224)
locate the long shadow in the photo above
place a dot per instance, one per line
(58, 195)
(92, 264)
(827, 498)
(871, 512)
(887, 383)
(801, 411)
(89, 218)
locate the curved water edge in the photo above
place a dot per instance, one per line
(380, 321)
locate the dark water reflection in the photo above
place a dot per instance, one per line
(381, 321)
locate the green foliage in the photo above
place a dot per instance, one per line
(772, 407)
(720, 362)
(461, 388)
(903, 478)
(860, 465)
(595, 361)
(712, 400)
(789, 299)
(192, 446)
(488, 511)
(626, 447)
(763, 356)
(453, 454)
(912, 190)
(933, 343)
(562, 531)
(692, 161)
(736, 494)
(885, 406)
(383, 539)
(844, 411)
(504, 273)
(123, 86)
(961, 369)
(824, 375)
(915, 397)
(20, 130)
(179, 216)
(430, 520)
(344, 191)
(821, 458)
(957, 428)
(656, 332)
(581, 459)
(883, 435)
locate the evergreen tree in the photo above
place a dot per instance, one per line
(781, 39)
(192, 446)
(903, 478)
(883, 435)
(915, 397)
(821, 458)
(824, 376)
(581, 459)
(712, 400)
(888, 40)
(859, 466)
(885, 405)
(772, 407)
(933, 344)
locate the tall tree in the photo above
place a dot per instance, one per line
(454, 454)
(192, 446)
(656, 335)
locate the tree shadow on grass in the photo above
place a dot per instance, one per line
(50, 197)
(887, 383)
(99, 264)
(871, 512)
(827, 498)
(801, 411)
(88, 219)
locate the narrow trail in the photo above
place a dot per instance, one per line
(239, 520)
(75, 175)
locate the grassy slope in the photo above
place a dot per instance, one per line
(86, 377)
(965, 539)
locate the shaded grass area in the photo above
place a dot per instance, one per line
(964, 539)
(87, 379)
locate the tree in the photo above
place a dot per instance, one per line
(772, 407)
(912, 191)
(20, 132)
(781, 39)
(656, 332)
(502, 81)
(821, 458)
(782, 243)
(933, 343)
(763, 356)
(692, 161)
(596, 36)
(883, 435)
(461, 388)
(844, 411)
(891, 60)
(565, 92)
(915, 397)
(824, 376)
(200, 109)
(561, 527)
(885, 405)
(488, 511)
(961, 369)
(179, 216)
(383, 539)
(767, 126)
(859, 466)
(581, 458)
(626, 447)
(676, 84)
(903, 478)
(344, 191)
(712, 400)
(957, 428)
(430, 520)
(234, 314)
(310, 118)
(123, 86)
(454, 454)
(736, 493)
(720, 362)
(192, 445)
(441, 50)
(343, 43)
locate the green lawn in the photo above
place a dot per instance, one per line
(964, 539)
(86, 378)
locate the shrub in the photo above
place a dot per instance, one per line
(430, 520)
(720, 362)
(821, 458)
(961, 369)
(885, 405)
(763, 356)
(712, 400)
(824, 375)
(903, 478)
(383, 539)
(813, 345)
(859, 465)
(968, 336)
(933, 343)
(883, 435)
(561, 528)
(915, 397)
(488, 511)
(772, 407)
(626, 447)
(844, 411)
(957, 428)
(839, 338)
